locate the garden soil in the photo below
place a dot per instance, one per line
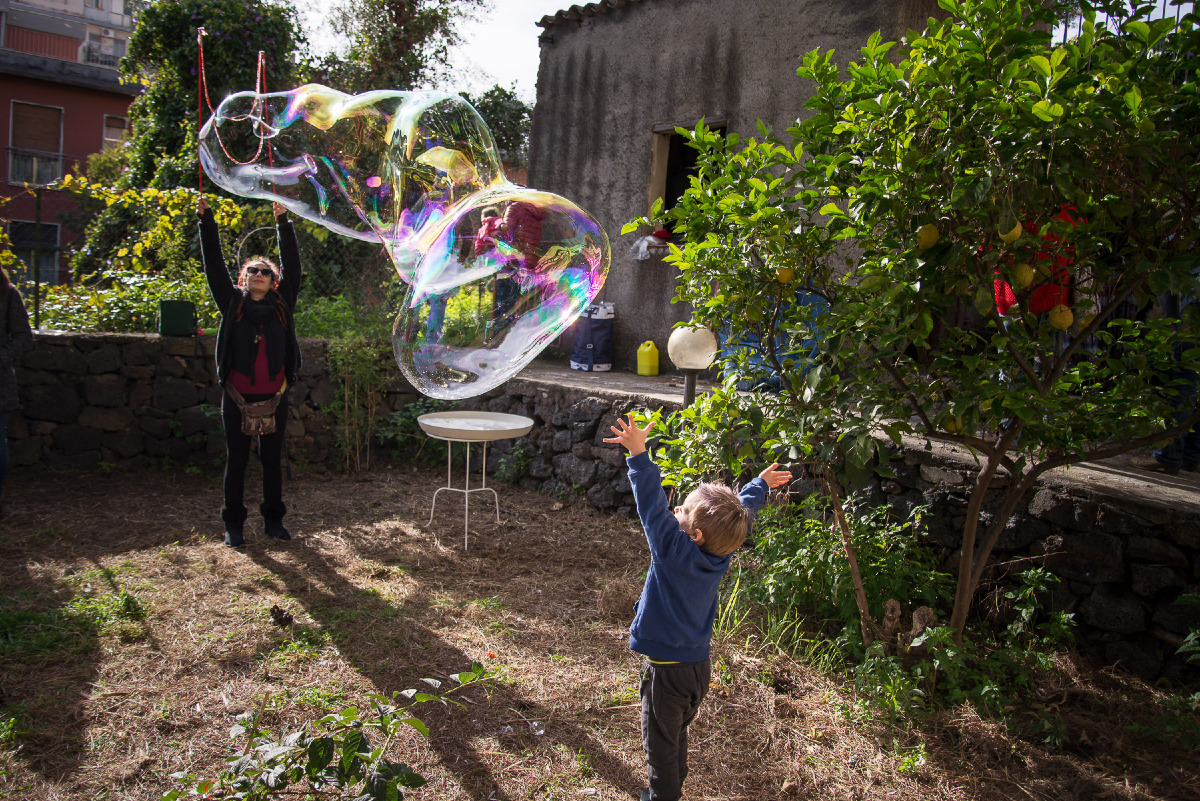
(378, 602)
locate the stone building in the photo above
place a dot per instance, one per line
(617, 76)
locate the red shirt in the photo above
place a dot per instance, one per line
(263, 384)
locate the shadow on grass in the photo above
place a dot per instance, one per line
(390, 647)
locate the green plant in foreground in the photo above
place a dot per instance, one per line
(331, 757)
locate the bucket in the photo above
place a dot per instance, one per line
(647, 356)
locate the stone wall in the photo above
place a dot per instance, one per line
(140, 399)
(133, 400)
(1124, 559)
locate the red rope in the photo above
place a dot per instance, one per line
(200, 93)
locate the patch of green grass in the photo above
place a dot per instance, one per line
(10, 731)
(71, 627)
(320, 698)
(623, 696)
(305, 642)
(491, 602)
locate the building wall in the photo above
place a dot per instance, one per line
(608, 79)
(84, 110)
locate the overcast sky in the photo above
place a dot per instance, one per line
(500, 46)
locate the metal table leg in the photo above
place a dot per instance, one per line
(466, 491)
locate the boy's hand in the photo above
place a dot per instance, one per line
(775, 478)
(201, 206)
(278, 209)
(629, 435)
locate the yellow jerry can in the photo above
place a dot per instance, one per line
(647, 359)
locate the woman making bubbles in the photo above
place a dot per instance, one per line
(257, 357)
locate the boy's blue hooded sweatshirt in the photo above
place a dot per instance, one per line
(674, 617)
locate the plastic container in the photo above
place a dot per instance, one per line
(647, 358)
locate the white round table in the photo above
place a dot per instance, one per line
(469, 427)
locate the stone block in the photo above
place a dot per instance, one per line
(157, 427)
(936, 475)
(581, 450)
(1052, 506)
(1020, 532)
(171, 367)
(609, 454)
(1153, 550)
(25, 452)
(107, 389)
(562, 441)
(146, 352)
(499, 405)
(194, 419)
(1180, 615)
(183, 347)
(322, 392)
(540, 467)
(589, 410)
(584, 431)
(107, 419)
(57, 403)
(1150, 580)
(104, 359)
(172, 394)
(1112, 609)
(125, 444)
(138, 372)
(56, 359)
(1092, 558)
(74, 439)
(85, 460)
(602, 496)
(574, 471)
(1183, 530)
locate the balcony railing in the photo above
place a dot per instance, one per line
(93, 55)
(33, 166)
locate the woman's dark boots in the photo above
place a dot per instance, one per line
(273, 520)
(235, 521)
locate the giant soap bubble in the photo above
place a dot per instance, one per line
(495, 271)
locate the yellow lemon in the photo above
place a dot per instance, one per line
(1061, 317)
(927, 236)
(784, 275)
(1022, 275)
(952, 424)
(1013, 235)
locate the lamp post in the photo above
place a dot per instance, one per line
(691, 348)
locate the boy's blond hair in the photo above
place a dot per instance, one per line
(721, 517)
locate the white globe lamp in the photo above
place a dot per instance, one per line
(691, 348)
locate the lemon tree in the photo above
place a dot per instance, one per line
(1026, 155)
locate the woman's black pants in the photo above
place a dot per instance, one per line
(270, 455)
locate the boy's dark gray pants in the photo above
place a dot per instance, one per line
(671, 696)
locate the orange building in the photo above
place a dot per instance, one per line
(61, 100)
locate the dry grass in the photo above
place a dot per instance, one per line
(379, 603)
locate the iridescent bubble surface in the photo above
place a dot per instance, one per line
(379, 166)
(496, 271)
(501, 277)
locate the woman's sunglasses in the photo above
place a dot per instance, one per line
(267, 271)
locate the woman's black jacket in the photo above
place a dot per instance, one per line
(229, 297)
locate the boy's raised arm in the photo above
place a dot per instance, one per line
(629, 435)
(774, 477)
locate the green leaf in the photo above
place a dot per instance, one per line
(1042, 65)
(320, 754)
(833, 210)
(1133, 99)
(1047, 112)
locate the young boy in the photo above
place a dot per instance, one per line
(672, 626)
